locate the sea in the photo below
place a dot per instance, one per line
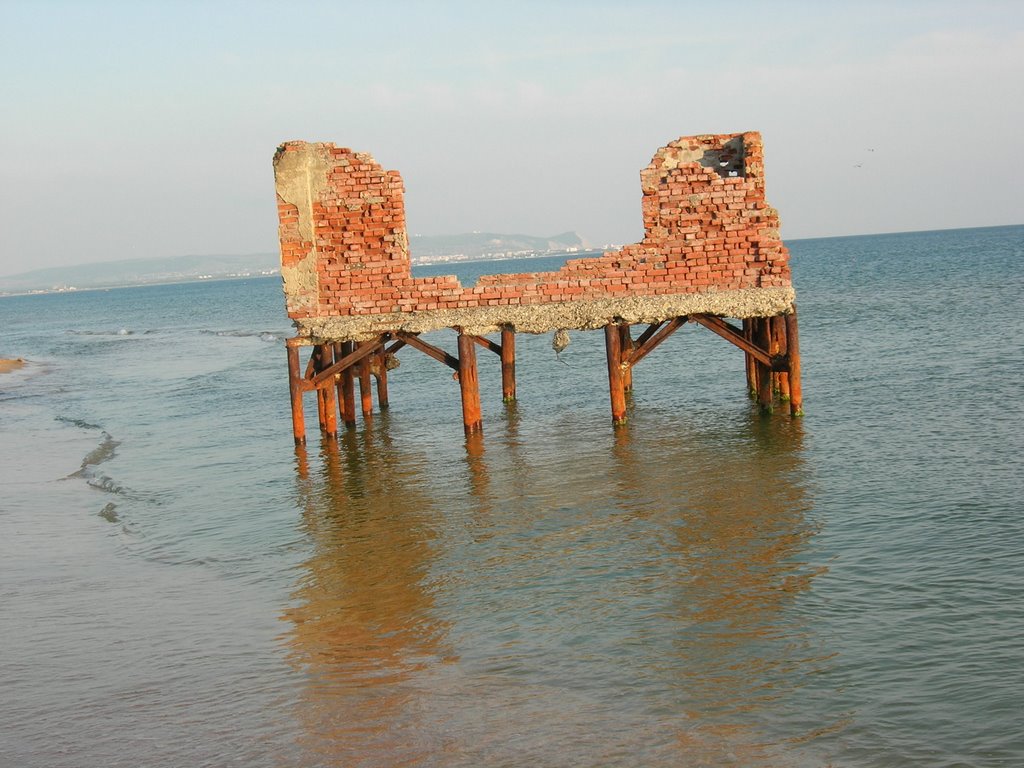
(708, 585)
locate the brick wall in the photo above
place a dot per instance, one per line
(711, 242)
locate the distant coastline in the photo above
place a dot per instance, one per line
(425, 249)
(421, 261)
(201, 269)
(429, 261)
(138, 284)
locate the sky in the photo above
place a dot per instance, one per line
(147, 129)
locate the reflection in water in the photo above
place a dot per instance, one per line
(627, 600)
(363, 623)
(479, 478)
(740, 649)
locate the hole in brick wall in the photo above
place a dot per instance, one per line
(469, 271)
(727, 161)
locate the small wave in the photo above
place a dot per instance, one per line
(78, 423)
(105, 484)
(109, 513)
(105, 451)
(118, 332)
(268, 336)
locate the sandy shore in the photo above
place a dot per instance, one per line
(6, 366)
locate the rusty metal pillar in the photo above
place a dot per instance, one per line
(348, 390)
(616, 380)
(773, 353)
(508, 364)
(762, 337)
(781, 343)
(750, 362)
(625, 347)
(365, 386)
(382, 380)
(295, 388)
(469, 385)
(319, 364)
(339, 389)
(796, 399)
(330, 399)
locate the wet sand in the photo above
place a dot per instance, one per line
(6, 366)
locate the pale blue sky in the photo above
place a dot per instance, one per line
(142, 129)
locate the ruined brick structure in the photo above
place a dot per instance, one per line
(711, 244)
(711, 249)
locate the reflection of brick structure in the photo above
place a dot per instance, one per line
(711, 249)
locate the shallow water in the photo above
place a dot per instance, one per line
(707, 586)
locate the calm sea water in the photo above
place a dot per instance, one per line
(707, 586)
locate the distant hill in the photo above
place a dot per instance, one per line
(177, 269)
(482, 245)
(111, 274)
